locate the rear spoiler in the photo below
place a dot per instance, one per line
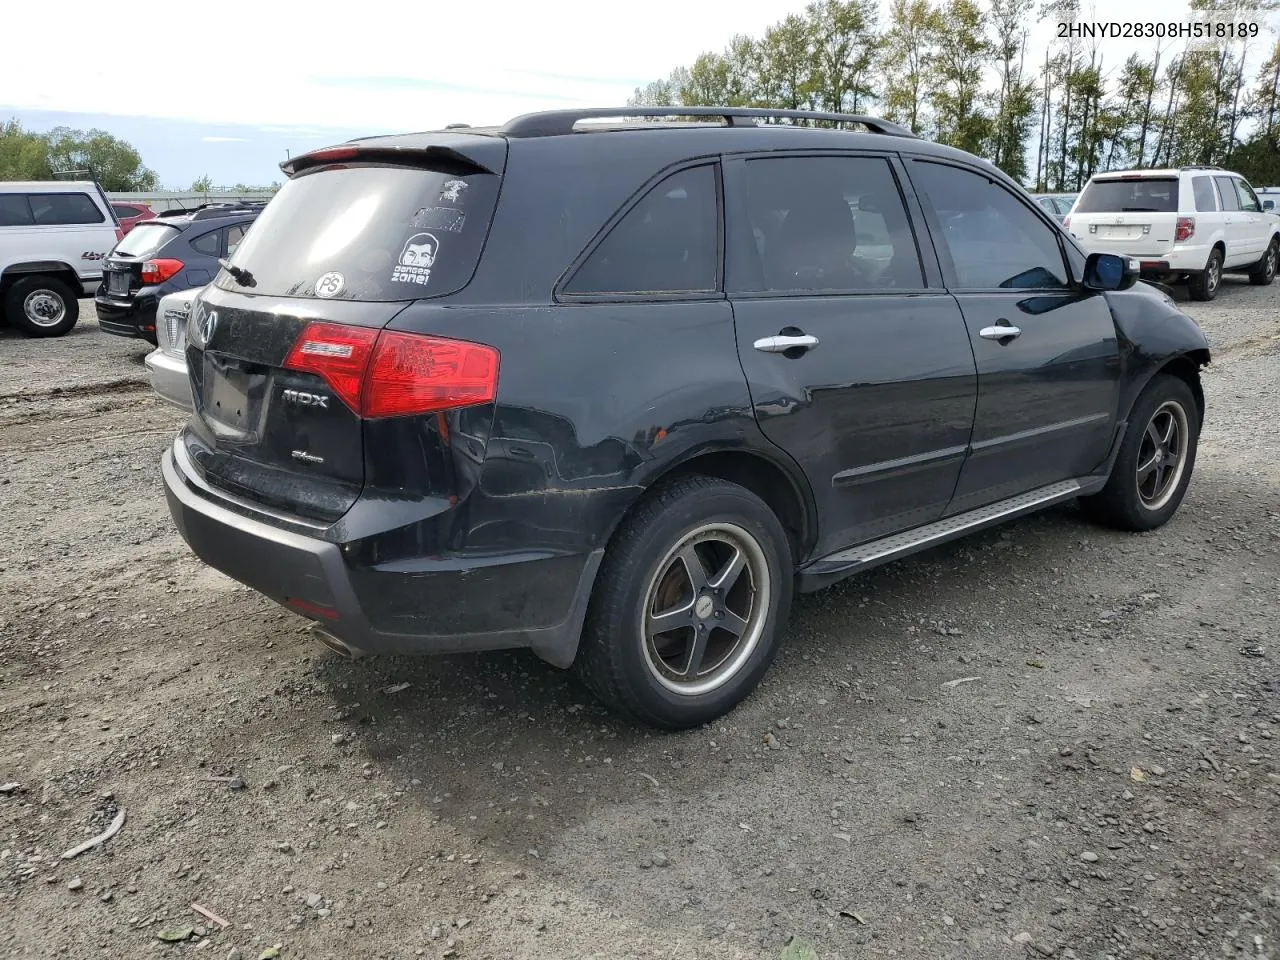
(437, 157)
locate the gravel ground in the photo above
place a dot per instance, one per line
(1050, 740)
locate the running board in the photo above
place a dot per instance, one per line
(829, 569)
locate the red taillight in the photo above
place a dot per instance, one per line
(1185, 229)
(338, 354)
(331, 154)
(395, 374)
(158, 271)
(415, 374)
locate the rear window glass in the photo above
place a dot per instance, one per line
(60, 209)
(1140, 195)
(373, 233)
(145, 239)
(125, 212)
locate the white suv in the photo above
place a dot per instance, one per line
(54, 236)
(1194, 223)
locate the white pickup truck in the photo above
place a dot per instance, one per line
(54, 236)
(1192, 224)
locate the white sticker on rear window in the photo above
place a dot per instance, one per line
(416, 260)
(452, 191)
(330, 285)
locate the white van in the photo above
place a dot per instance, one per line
(1193, 224)
(54, 236)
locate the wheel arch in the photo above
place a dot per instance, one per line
(52, 268)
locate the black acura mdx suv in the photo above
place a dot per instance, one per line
(615, 392)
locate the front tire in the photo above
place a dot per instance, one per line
(1266, 271)
(41, 306)
(1204, 285)
(1155, 462)
(686, 614)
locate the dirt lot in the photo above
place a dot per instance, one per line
(1051, 740)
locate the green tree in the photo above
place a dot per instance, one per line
(708, 82)
(788, 71)
(908, 47)
(23, 155)
(961, 51)
(112, 162)
(1015, 101)
(202, 184)
(845, 45)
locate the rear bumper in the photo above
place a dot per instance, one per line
(169, 378)
(434, 605)
(133, 318)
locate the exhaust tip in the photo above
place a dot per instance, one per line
(333, 643)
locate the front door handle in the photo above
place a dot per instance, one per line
(783, 343)
(1004, 331)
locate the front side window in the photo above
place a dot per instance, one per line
(829, 224)
(15, 211)
(668, 243)
(63, 209)
(1206, 201)
(1248, 199)
(994, 240)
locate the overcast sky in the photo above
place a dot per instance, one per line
(275, 70)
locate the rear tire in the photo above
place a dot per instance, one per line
(1156, 459)
(1204, 285)
(41, 306)
(1266, 269)
(710, 561)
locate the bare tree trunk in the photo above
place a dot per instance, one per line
(1165, 133)
(1146, 109)
(1042, 151)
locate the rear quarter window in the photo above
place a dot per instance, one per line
(15, 211)
(1138, 195)
(368, 232)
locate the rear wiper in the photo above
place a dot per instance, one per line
(238, 274)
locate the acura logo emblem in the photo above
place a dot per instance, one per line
(204, 328)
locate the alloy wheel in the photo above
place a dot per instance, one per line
(1162, 455)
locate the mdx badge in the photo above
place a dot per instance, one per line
(303, 399)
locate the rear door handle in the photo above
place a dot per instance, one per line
(781, 343)
(1000, 332)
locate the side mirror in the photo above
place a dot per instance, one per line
(1268, 204)
(1107, 271)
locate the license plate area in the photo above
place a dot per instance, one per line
(118, 283)
(234, 397)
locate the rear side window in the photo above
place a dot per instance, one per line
(15, 211)
(63, 209)
(1205, 197)
(371, 232)
(145, 239)
(1135, 195)
(827, 224)
(1227, 193)
(668, 243)
(210, 244)
(124, 211)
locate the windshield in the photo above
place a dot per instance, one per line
(1138, 195)
(145, 239)
(373, 233)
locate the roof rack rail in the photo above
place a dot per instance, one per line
(214, 208)
(551, 123)
(1201, 166)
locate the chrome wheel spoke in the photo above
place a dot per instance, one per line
(1167, 435)
(1144, 470)
(673, 619)
(1153, 433)
(733, 623)
(697, 653)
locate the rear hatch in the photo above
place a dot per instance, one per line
(141, 249)
(284, 349)
(1127, 214)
